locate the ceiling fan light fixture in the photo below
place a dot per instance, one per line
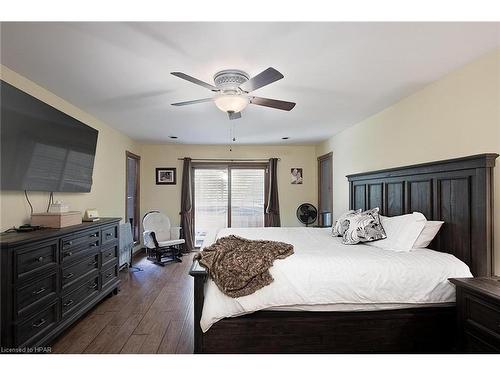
(231, 103)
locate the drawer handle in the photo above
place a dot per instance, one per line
(69, 243)
(41, 290)
(109, 254)
(69, 303)
(94, 245)
(108, 275)
(68, 254)
(68, 276)
(93, 263)
(40, 323)
(92, 286)
(109, 234)
(39, 259)
(94, 235)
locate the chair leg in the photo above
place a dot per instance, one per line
(174, 253)
(158, 258)
(179, 254)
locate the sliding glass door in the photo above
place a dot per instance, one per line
(211, 192)
(247, 198)
(228, 196)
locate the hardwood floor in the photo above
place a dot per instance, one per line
(152, 313)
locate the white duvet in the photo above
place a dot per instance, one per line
(323, 274)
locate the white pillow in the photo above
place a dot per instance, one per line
(430, 231)
(402, 231)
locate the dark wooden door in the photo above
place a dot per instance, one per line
(325, 182)
(132, 193)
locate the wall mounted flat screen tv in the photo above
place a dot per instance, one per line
(42, 148)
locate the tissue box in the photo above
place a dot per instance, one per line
(58, 207)
(56, 219)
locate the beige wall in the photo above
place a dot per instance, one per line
(108, 189)
(458, 115)
(167, 197)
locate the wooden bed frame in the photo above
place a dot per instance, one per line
(457, 191)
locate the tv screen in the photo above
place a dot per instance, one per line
(42, 148)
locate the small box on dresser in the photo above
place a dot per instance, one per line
(56, 219)
(478, 309)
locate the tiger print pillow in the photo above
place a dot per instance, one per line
(342, 223)
(364, 227)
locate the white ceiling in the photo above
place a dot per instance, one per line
(337, 73)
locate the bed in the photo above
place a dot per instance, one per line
(416, 315)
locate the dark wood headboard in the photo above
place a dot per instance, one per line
(456, 191)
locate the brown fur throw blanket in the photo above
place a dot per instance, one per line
(239, 266)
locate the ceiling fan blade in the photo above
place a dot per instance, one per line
(195, 81)
(264, 78)
(272, 103)
(234, 115)
(193, 102)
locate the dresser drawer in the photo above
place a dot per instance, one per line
(31, 259)
(28, 330)
(482, 313)
(83, 292)
(74, 246)
(109, 254)
(109, 234)
(35, 294)
(71, 274)
(109, 274)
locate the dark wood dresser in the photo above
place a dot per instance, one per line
(478, 307)
(51, 277)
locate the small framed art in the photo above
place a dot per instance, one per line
(166, 176)
(296, 176)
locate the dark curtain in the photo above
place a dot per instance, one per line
(187, 205)
(272, 216)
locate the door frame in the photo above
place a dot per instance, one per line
(320, 160)
(137, 210)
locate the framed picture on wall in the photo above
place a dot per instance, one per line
(296, 176)
(166, 176)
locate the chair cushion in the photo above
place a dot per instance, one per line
(175, 233)
(158, 223)
(170, 243)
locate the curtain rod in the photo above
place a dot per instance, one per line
(224, 159)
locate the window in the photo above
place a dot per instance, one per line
(210, 202)
(228, 196)
(247, 198)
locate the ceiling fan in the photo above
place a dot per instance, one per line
(233, 86)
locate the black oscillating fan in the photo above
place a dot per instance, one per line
(307, 213)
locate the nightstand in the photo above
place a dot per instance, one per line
(478, 309)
